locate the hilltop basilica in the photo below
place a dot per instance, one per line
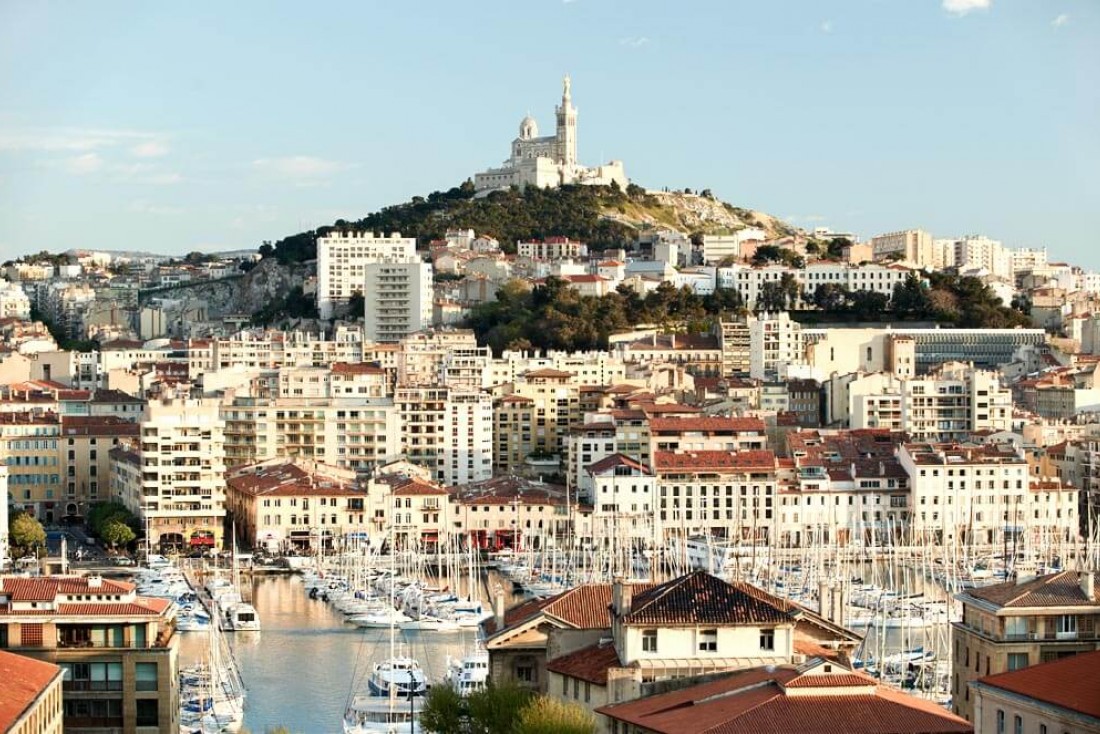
(551, 160)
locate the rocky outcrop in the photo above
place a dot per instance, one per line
(245, 294)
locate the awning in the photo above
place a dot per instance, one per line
(704, 663)
(202, 540)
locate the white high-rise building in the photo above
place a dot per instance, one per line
(13, 301)
(913, 246)
(979, 251)
(174, 479)
(1027, 258)
(775, 340)
(448, 431)
(397, 299)
(342, 258)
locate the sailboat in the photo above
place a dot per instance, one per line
(396, 687)
(212, 692)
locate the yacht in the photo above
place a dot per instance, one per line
(241, 617)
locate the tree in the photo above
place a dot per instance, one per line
(869, 305)
(911, 299)
(115, 533)
(25, 532)
(772, 297)
(545, 715)
(357, 305)
(105, 512)
(444, 711)
(831, 297)
(495, 709)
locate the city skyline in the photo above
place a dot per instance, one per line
(220, 127)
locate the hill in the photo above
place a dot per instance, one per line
(601, 216)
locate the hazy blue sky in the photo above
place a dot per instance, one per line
(173, 126)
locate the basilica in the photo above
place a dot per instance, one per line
(549, 161)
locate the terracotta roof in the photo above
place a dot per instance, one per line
(702, 598)
(734, 425)
(755, 700)
(410, 486)
(1071, 683)
(25, 679)
(548, 372)
(588, 664)
(587, 606)
(614, 460)
(707, 461)
(22, 588)
(291, 479)
(356, 368)
(1054, 590)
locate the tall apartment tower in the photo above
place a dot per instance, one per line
(174, 479)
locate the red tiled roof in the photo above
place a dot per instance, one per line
(356, 368)
(754, 701)
(617, 460)
(587, 606)
(411, 487)
(548, 372)
(734, 425)
(1070, 683)
(25, 679)
(679, 461)
(1054, 590)
(588, 664)
(702, 598)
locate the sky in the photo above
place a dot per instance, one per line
(212, 125)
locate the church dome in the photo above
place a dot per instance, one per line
(528, 128)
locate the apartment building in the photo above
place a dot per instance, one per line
(342, 259)
(174, 479)
(31, 703)
(912, 246)
(724, 494)
(623, 495)
(532, 419)
(272, 349)
(1014, 625)
(409, 513)
(30, 448)
(948, 405)
(775, 341)
(552, 248)
(14, 303)
(517, 513)
(1058, 696)
(448, 431)
(983, 494)
(282, 504)
(350, 432)
(600, 435)
(85, 444)
(589, 368)
(706, 433)
(397, 298)
(117, 650)
(982, 253)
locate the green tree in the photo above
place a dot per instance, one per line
(25, 532)
(496, 708)
(357, 305)
(545, 715)
(911, 298)
(831, 297)
(772, 297)
(105, 512)
(869, 305)
(115, 532)
(444, 711)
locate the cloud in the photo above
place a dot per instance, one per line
(1060, 21)
(633, 41)
(83, 164)
(962, 7)
(300, 168)
(827, 26)
(142, 206)
(149, 149)
(61, 139)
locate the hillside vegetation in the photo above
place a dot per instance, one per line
(601, 216)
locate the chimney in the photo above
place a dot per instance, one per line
(1088, 584)
(498, 609)
(95, 582)
(621, 597)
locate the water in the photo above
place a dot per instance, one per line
(300, 669)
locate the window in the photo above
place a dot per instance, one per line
(1000, 721)
(1017, 660)
(649, 640)
(708, 641)
(525, 671)
(145, 676)
(767, 639)
(148, 713)
(1066, 627)
(1017, 724)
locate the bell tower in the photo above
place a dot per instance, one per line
(567, 126)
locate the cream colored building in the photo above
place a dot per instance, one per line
(174, 479)
(31, 703)
(342, 258)
(532, 419)
(30, 448)
(294, 503)
(118, 651)
(85, 446)
(913, 246)
(775, 341)
(448, 431)
(397, 298)
(1058, 697)
(1025, 622)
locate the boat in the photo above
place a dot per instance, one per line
(241, 617)
(471, 673)
(400, 675)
